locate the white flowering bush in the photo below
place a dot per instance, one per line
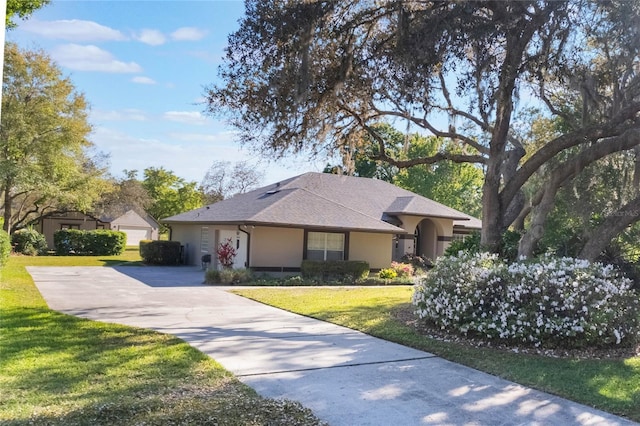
(548, 302)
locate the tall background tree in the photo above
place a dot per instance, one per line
(124, 194)
(170, 194)
(224, 179)
(45, 161)
(314, 75)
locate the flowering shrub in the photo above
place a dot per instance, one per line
(226, 253)
(402, 269)
(550, 302)
(387, 274)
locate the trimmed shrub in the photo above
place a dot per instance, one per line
(228, 276)
(160, 252)
(331, 270)
(550, 302)
(5, 247)
(100, 242)
(29, 242)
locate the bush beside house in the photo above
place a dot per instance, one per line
(89, 243)
(160, 252)
(29, 242)
(341, 270)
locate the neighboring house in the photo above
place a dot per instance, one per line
(135, 226)
(320, 216)
(69, 220)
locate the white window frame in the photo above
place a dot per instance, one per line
(204, 239)
(323, 240)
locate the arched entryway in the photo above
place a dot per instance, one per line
(426, 237)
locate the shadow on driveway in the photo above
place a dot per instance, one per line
(165, 276)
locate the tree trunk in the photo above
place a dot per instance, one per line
(7, 207)
(613, 225)
(490, 235)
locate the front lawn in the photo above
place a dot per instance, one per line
(57, 369)
(612, 385)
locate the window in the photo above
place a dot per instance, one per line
(204, 239)
(69, 226)
(325, 246)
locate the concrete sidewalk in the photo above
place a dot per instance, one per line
(345, 377)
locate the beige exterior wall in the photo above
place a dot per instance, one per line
(273, 247)
(446, 227)
(374, 248)
(276, 247)
(189, 237)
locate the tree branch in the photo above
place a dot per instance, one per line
(592, 133)
(543, 201)
(425, 124)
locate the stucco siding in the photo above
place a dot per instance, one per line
(374, 248)
(276, 247)
(189, 237)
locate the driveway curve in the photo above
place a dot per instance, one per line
(344, 376)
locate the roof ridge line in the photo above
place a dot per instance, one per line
(342, 205)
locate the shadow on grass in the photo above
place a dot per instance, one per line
(48, 359)
(117, 262)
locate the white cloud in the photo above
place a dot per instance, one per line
(91, 58)
(218, 138)
(73, 30)
(188, 34)
(123, 115)
(143, 80)
(189, 158)
(186, 117)
(151, 37)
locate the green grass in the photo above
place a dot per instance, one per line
(610, 385)
(57, 369)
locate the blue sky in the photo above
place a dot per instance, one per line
(143, 66)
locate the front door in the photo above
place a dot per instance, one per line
(240, 243)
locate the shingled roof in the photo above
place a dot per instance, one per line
(321, 200)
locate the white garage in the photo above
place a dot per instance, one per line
(135, 235)
(136, 227)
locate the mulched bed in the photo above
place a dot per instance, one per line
(406, 316)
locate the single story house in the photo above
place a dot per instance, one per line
(323, 217)
(134, 225)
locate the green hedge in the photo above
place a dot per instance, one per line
(100, 242)
(5, 247)
(29, 242)
(160, 252)
(331, 270)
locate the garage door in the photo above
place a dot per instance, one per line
(134, 235)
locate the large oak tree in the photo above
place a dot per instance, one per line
(311, 75)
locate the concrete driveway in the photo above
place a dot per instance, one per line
(345, 377)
